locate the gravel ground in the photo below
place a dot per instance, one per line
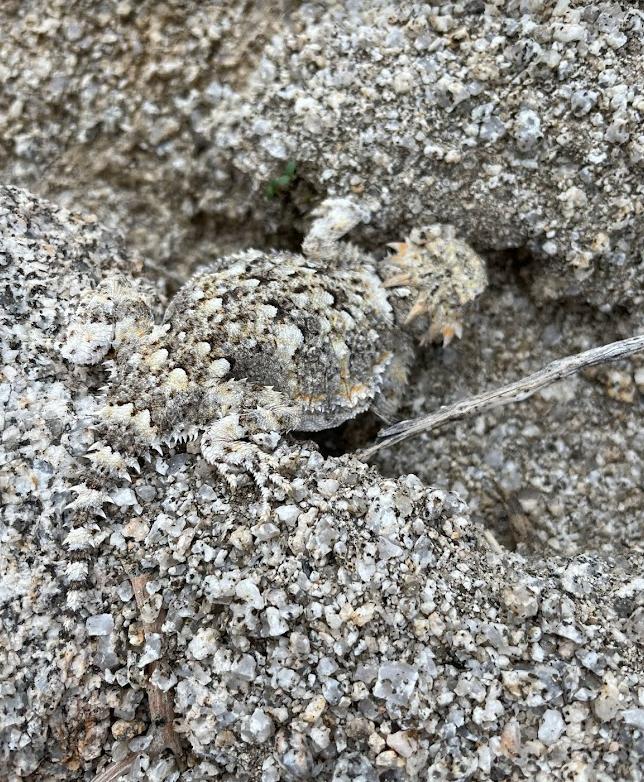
(519, 122)
(468, 606)
(560, 473)
(166, 627)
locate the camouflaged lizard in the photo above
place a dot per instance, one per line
(262, 343)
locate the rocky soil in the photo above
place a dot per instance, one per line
(468, 606)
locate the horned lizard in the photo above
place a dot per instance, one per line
(261, 343)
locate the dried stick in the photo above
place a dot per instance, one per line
(116, 770)
(159, 703)
(513, 392)
(160, 706)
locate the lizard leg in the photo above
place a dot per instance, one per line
(244, 442)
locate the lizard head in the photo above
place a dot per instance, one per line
(438, 275)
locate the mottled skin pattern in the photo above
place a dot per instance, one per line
(442, 274)
(263, 343)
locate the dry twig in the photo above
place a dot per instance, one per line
(116, 770)
(513, 392)
(160, 706)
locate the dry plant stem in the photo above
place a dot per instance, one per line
(116, 770)
(159, 702)
(513, 392)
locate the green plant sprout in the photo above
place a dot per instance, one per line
(282, 182)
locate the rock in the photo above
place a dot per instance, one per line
(115, 120)
(634, 717)
(257, 728)
(403, 743)
(551, 727)
(101, 624)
